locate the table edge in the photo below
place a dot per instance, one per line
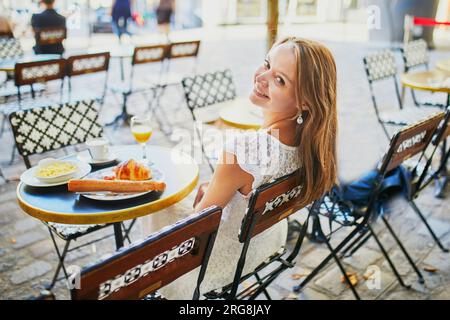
(422, 88)
(108, 216)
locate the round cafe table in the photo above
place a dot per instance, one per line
(57, 204)
(241, 113)
(443, 65)
(8, 65)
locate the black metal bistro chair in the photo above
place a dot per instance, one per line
(422, 174)
(268, 205)
(338, 209)
(33, 74)
(202, 91)
(415, 55)
(85, 64)
(44, 129)
(38, 72)
(381, 67)
(137, 272)
(143, 55)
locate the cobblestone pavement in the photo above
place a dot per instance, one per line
(27, 257)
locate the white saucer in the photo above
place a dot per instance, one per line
(29, 179)
(85, 156)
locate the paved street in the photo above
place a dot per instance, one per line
(27, 256)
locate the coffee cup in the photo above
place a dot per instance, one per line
(98, 148)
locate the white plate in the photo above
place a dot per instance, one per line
(29, 179)
(86, 157)
(112, 196)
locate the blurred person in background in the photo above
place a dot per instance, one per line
(47, 19)
(120, 13)
(164, 13)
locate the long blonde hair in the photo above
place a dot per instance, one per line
(316, 89)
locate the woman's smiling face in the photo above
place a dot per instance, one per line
(275, 81)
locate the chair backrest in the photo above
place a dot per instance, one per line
(148, 54)
(87, 63)
(206, 89)
(39, 71)
(53, 35)
(10, 48)
(42, 129)
(444, 129)
(415, 53)
(269, 204)
(183, 49)
(410, 141)
(380, 65)
(143, 268)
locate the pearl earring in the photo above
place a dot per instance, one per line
(300, 119)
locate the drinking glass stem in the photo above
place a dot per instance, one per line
(144, 151)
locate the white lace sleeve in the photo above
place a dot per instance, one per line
(250, 149)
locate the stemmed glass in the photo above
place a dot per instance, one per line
(142, 130)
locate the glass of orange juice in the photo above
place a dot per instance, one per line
(142, 130)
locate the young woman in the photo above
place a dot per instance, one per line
(295, 86)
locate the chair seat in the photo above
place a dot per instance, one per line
(138, 86)
(11, 91)
(338, 212)
(73, 231)
(406, 115)
(8, 108)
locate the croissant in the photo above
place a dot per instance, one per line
(132, 170)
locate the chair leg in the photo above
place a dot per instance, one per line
(424, 220)
(341, 267)
(13, 155)
(358, 242)
(61, 257)
(264, 291)
(388, 258)
(403, 249)
(128, 230)
(3, 125)
(325, 261)
(416, 102)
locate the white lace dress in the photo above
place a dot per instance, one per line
(265, 158)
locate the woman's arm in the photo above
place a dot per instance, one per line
(228, 178)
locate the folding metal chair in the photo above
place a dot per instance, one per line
(33, 74)
(422, 175)
(441, 175)
(268, 205)
(88, 64)
(142, 55)
(137, 272)
(380, 66)
(43, 129)
(415, 55)
(202, 91)
(38, 72)
(407, 142)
